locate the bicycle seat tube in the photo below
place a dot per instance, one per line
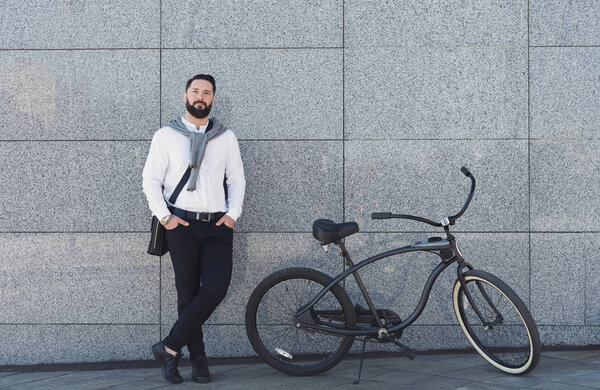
(360, 283)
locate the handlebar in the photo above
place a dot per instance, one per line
(451, 219)
(468, 174)
(403, 216)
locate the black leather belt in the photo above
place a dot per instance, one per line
(205, 217)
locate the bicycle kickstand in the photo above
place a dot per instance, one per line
(362, 357)
(409, 353)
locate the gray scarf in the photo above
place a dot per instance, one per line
(197, 144)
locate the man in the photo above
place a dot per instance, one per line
(200, 222)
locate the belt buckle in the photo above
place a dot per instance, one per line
(207, 218)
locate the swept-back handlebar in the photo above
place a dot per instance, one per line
(452, 219)
(468, 174)
(403, 216)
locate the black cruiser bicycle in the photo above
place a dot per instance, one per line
(302, 321)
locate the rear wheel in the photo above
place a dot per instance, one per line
(272, 330)
(507, 338)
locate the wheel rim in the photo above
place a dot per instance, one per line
(283, 341)
(507, 344)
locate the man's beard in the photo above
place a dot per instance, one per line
(198, 112)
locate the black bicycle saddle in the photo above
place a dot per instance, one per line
(327, 231)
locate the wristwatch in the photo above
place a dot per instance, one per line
(165, 220)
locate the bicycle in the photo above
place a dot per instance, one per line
(302, 321)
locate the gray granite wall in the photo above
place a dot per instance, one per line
(342, 108)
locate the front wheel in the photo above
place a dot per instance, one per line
(272, 330)
(507, 337)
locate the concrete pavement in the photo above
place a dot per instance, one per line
(573, 369)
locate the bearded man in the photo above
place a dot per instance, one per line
(199, 222)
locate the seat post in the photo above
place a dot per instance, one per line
(345, 253)
(360, 283)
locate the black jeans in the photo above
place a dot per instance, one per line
(202, 260)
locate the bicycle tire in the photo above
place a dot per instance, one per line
(513, 344)
(273, 333)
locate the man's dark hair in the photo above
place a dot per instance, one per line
(206, 77)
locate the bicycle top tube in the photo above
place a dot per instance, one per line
(426, 245)
(374, 330)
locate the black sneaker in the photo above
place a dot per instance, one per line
(200, 371)
(169, 363)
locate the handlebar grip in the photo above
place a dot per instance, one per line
(465, 171)
(381, 215)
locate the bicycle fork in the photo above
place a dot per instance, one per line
(458, 257)
(488, 324)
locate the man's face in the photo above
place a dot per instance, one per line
(199, 98)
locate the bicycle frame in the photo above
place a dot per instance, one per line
(449, 253)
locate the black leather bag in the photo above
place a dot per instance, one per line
(158, 241)
(158, 238)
